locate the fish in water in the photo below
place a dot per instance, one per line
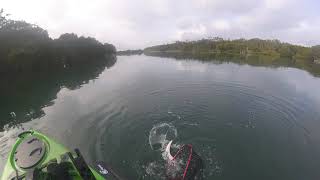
(186, 164)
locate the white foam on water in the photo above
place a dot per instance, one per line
(159, 137)
(154, 169)
(161, 134)
(175, 168)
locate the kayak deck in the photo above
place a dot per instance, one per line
(34, 155)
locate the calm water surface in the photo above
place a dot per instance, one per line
(245, 122)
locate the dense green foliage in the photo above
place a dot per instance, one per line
(255, 52)
(316, 52)
(34, 67)
(273, 48)
(26, 47)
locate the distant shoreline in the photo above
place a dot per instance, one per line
(243, 47)
(130, 52)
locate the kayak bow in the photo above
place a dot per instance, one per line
(36, 156)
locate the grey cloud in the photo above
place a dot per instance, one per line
(141, 23)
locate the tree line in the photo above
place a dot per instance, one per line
(273, 48)
(27, 47)
(34, 67)
(130, 52)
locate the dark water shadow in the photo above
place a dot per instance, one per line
(23, 96)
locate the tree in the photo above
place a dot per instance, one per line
(242, 47)
(316, 52)
(27, 47)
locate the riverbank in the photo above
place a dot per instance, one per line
(240, 47)
(130, 52)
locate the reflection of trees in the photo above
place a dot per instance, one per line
(34, 67)
(256, 52)
(27, 94)
(254, 60)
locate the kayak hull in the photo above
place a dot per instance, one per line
(50, 150)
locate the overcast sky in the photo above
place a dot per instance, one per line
(131, 24)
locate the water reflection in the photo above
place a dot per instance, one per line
(256, 60)
(23, 96)
(246, 122)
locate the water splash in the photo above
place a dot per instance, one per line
(161, 134)
(159, 137)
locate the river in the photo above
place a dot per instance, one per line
(246, 122)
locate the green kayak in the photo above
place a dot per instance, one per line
(36, 156)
